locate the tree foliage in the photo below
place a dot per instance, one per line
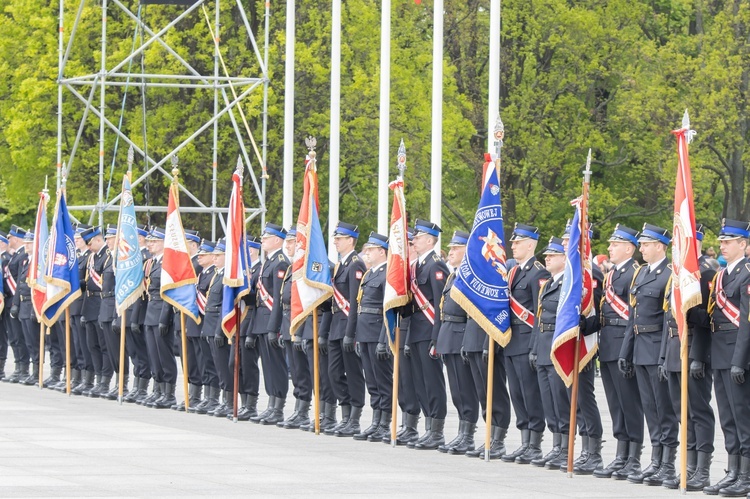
(614, 76)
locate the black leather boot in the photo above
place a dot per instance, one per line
(168, 400)
(257, 418)
(15, 375)
(436, 436)
(139, 391)
(277, 413)
(242, 413)
(401, 429)
(732, 472)
(562, 457)
(196, 394)
(425, 435)
(651, 469)
(701, 477)
(461, 435)
(582, 457)
(384, 428)
(212, 400)
(364, 434)
(159, 393)
(303, 416)
(741, 487)
(621, 456)
(552, 454)
(410, 433)
(674, 482)
(328, 420)
(33, 378)
(2, 369)
(467, 443)
(115, 392)
(666, 469)
(525, 437)
(352, 427)
(85, 384)
(204, 400)
(291, 418)
(75, 380)
(632, 464)
(593, 461)
(534, 451)
(226, 407)
(346, 411)
(53, 378)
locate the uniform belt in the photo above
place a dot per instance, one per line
(726, 326)
(286, 307)
(213, 309)
(371, 310)
(24, 298)
(673, 331)
(107, 294)
(546, 327)
(453, 318)
(615, 322)
(154, 296)
(651, 328)
(93, 293)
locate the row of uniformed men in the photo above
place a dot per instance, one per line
(638, 349)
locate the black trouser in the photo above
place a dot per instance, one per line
(701, 421)
(525, 394)
(249, 373)
(98, 349)
(589, 420)
(16, 338)
(220, 355)
(408, 400)
(301, 377)
(463, 392)
(555, 401)
(209, 375)
(31, 337)
(657, 407)
(136, 346)
(56, 340)
(165, 361)
(4, 333)
(428, 374)
(732, 401)
(275, 371)
(112, 341)
(326, 390)
(500, 397)
(624, 402)
(83, 354)
(338, 374)
(194, 360)
(378, 376)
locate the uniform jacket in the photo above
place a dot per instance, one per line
(646, 311)
(272, 274)
(729, 345)
(452, 322)
(612, 325)
(92, 300)
(22, 298)
(347, 274)
(544, 327)
(286, 305)
(430, 276)
(211, 325)
(251, 300)
(155, 306)
(524, 287)
(107, 311)
(370, 328)
(77, 306)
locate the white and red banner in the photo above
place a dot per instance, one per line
(397, 269)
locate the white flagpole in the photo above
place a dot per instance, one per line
(333, 175)
(493, 102)
(385, 110)
(288, 197)
(436, 193)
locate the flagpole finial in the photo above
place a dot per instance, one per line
(63, 176)
(401, 160)
(46, 190)
(587, 171)
(131, 158)
(499, 134)
(311, 142)
(686, 120)
(175, 170)
(240, 169)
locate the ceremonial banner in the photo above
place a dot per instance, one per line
(38, 262)
(481, 285)
(311, 272)
(576, 299)
(61, 276)
(397, 268)
(128, 257)
(177, 273)
(686, 286)
(237, 261)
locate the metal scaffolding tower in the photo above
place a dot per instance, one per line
(228, 93)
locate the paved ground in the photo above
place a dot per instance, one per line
(55, 446)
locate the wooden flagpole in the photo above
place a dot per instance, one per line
(41, 355)
(185, 363)
(577, 351)
(396, 367)
(67, 350)
(121, 373)
(316, 371)
(683, 412)
(236, 339)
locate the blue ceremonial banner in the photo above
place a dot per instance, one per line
(128, 257)
(569, 307)
(481, 286)
(63, 281)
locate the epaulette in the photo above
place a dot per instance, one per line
(355, 258)
(747, 266)
(636, 265)
(707, 266)
(539, 265)
(669, 266)
(435, 258)
(281, 257)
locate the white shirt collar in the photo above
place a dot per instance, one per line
(523, 264)
(558, 276)
(651, 267)
(622, 264)
(343, 258)
(731, 266)
(376, 267)
(423, 257)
